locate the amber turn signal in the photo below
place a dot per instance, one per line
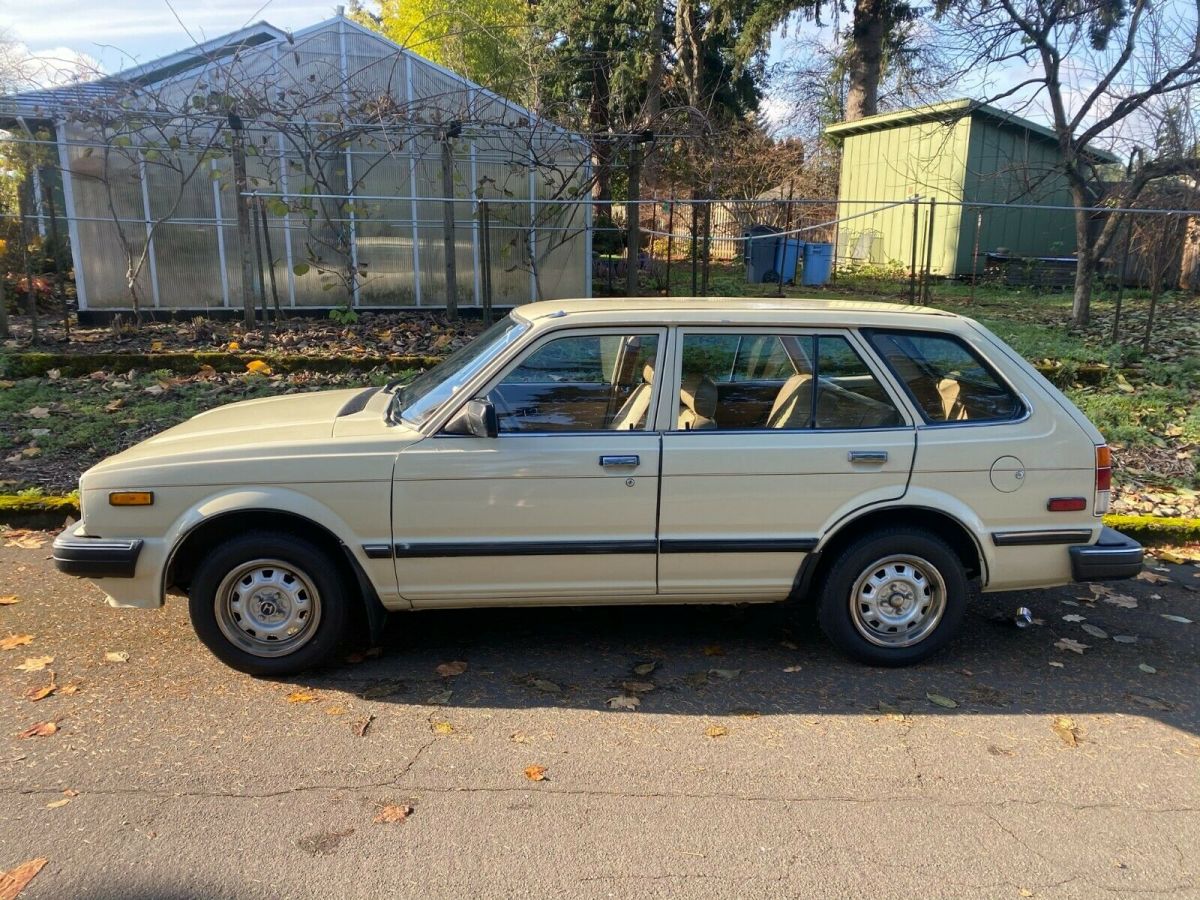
(131, 498)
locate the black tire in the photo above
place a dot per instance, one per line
(310, 563)
(846, 626)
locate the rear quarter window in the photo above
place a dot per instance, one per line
(947, 380)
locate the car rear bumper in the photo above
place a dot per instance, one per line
(96, 557)
(1113, 556)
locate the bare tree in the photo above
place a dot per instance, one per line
(1097, 67)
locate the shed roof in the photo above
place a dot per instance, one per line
(948, 111)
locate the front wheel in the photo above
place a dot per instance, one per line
(894, 597)
(269, 604)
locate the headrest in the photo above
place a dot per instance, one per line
(648, 374)
(699, 394)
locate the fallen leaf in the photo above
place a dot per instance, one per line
(1170, 556)
(39, 729)
(9, 600)
(792, 668)
(519, 737)
(1095, 631)
(637, 687)
(1073, 618)
(1067, 730)
(1148, 669)
(35, 663)
(1057, 664)
(13, 641)
(450, 669)
(1024, 892)
(155, 390)
(57, 803)
(298, 696)
(939, 700)
(714, 650)
(1070, 644)
(233, 346)
(156, 346)
(390, 813)
(68, 689)
(535, 773)
(258, 367)
(15, 880)
(1152, 577)
(360, 727)
(114, 405)
(335, 710)
(441, 698)
(120, 656)
(716, 731)
(644, 669)
(1180, 619)
(41, 693)
(623, 701)
(543, 685)
(38, 412)
(1150, 702)
(1122, 600)
(727, 674)
(441, 728)
(1125, 638)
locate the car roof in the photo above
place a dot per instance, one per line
(718, 310)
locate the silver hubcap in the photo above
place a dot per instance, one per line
(898, 601)
(268, 608)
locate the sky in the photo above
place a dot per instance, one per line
(121, 33)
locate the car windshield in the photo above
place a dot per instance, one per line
(429, 390)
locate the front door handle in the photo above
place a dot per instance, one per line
(868, 456)
(631, 460)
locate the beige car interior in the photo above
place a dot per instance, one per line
(697, 402)
(632, 413)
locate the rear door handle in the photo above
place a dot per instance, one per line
(868, 456)
(630, 460)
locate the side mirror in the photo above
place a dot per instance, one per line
(477, 418)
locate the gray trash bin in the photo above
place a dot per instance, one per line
(759, 253)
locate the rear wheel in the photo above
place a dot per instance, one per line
(269, 604)
(894, 597)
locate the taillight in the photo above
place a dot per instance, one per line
(1103, 480)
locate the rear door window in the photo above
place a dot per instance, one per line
(945, 378)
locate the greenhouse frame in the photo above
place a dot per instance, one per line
(364, 165)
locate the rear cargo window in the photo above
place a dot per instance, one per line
(948, 382)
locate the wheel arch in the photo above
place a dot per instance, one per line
(961, 539)
(201, 536)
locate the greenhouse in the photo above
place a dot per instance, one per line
(370, 178)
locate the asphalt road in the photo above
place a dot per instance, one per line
(829, 778)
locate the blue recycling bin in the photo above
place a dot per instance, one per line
(818, 264)
(787, 255)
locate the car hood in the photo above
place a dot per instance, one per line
(297, 424)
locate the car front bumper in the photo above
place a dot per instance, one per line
(1112, 557)
(96, 557)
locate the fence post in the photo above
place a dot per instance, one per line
(30, 292)
(450, 250)
(258, 257)
(670, 237)
(707, 246)
(695, 258)
(266, 238)
(485, 222)
(975, 255)
(633, 239)
(925, 294)
(237, 146)
(912, 267)
(787, 227)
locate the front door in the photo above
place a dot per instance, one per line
(779, 433)
(561, 505)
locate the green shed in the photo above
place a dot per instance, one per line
(957, 152)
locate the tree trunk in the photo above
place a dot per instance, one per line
(864, 58)
(1189, 266)
(1086, 261)
(599, 121)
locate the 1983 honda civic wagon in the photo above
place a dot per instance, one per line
(881, 460)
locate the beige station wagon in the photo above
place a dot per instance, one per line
(881, 460)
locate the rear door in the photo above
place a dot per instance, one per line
(803, 430)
